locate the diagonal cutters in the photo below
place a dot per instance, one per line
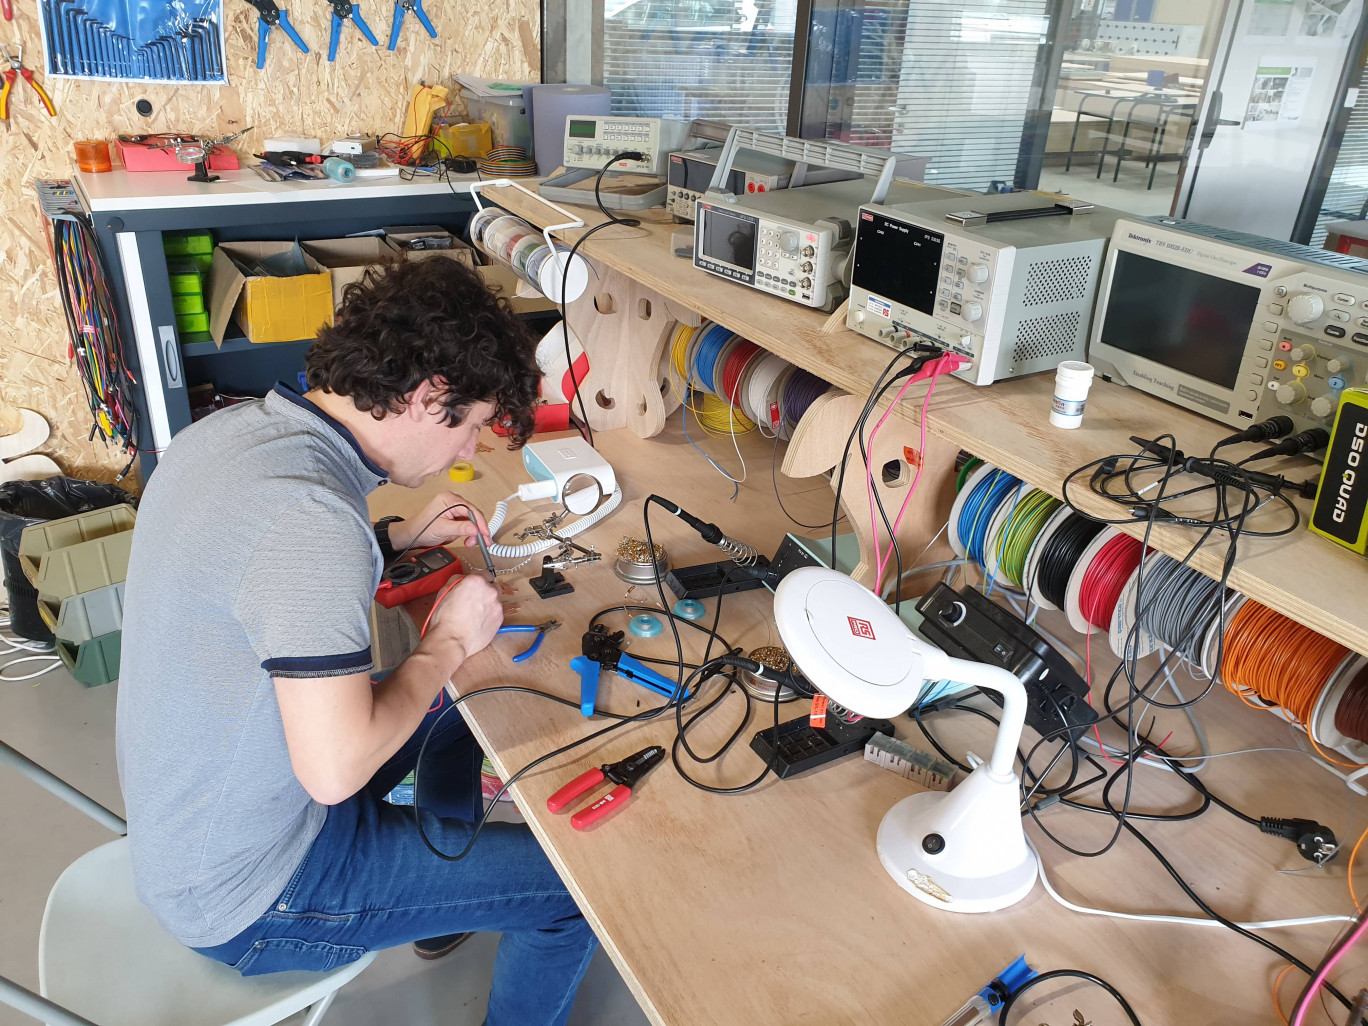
(345, 10)
(402, 7)
(528, 628)
(270, 16)
(625, 774)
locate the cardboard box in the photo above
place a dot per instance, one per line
(267, 309)
(506, 283)
(403, 236)
(348, 259)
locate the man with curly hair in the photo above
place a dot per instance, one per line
(254, 749)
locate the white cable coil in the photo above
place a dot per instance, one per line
(542, 545)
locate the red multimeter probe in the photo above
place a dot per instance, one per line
(417, 574)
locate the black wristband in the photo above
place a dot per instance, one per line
(382, 537)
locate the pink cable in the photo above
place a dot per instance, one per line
(933, 370)
(1319, 979)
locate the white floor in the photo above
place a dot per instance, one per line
(1128, 193)
(69, 730)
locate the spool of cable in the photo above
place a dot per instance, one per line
(761, 402)
(1014, 542)
(723, 358)
(480, 222)
(733, 373)
(1177, 605)
(719, 417)
(339, 170)
(800, 391)
(1105, 578)
(1061, 553)
(705, 355)
(1270, 659)
(976, 512)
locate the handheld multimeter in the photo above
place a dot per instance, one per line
(416, 574)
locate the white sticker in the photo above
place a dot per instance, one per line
(882, 307)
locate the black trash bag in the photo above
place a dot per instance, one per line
(25, 503)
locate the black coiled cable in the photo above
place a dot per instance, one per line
(1061, 554)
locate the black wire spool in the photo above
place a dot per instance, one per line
(1061, 554)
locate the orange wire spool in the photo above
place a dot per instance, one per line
(1272, 660)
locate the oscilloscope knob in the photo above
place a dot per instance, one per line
(1304, 308)
(1322, 406)
(1291, 393)
(977, 274)
(789, 242)
(972, 311)
(1302, 353)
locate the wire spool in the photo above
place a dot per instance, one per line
(524, 248)
(634, 563)
(1032, 569)
(961, 497)
(975, 514)
(775, 658)
(996, 525)
(800, 391)
(1104, 579)
(679, 349)
(479, 222)
(1215, 639)
(1061, 554)
(741, 357)
(1340, 717)
(710, 343)
(968, 468)
(1015, 540)
(1271, 660)
(1073, 590)
(719, 367)
(718, 417)
(1178, 606)
(507, 162)
(761, 400)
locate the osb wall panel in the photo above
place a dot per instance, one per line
(364, 91)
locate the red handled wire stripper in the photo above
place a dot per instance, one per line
(624, 774)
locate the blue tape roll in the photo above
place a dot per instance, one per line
(645, 626)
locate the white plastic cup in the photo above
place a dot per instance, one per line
(1072, 381)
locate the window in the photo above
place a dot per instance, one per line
(951, 82)
(724, 59)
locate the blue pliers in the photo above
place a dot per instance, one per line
(401, 7)
(345, 10)
(268, 17)
(527, 628)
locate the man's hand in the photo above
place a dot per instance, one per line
(469, 617)
(454, 519)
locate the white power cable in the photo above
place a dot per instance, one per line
(1146, 917)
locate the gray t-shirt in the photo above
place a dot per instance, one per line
(253, 557)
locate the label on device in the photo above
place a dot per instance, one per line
(817, 718)
(882, 307)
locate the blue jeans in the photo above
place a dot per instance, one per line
(368, 883)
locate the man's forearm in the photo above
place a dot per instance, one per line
(402, 699)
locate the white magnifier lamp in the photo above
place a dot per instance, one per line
(964, 851)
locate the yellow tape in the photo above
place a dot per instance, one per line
(462, 471)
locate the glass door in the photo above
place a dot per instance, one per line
(1131, 79)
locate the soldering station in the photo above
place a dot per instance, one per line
(1037, 513)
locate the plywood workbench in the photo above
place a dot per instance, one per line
(771, 907)
(1303, 576)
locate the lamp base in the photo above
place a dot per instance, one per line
(964, 851)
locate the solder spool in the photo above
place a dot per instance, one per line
(634, 564)
(775, 658)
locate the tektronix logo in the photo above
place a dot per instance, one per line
(1138, 238)
(861, 628)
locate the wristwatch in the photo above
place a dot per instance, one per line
(382, 537)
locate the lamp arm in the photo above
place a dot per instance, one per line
(939, 666)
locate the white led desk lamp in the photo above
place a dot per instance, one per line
(965, 850)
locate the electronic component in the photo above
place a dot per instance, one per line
(791, 243)
(416, 574)
(901, 758)
(969, 625)
(590, 140)
(803, 747)
(1232, 326)
(1342, 498)
(1007, 281)
(57, 199)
